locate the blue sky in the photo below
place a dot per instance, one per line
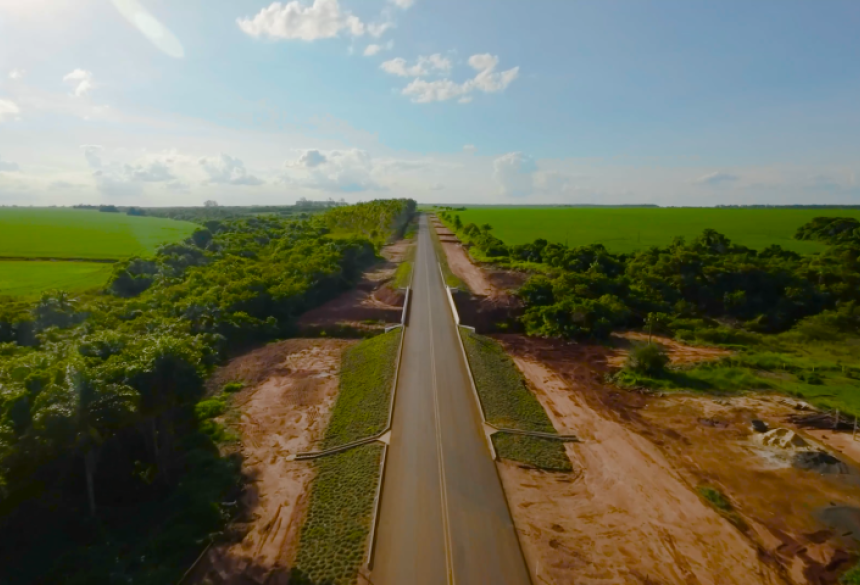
(159, 102)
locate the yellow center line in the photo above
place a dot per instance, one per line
(437, 417)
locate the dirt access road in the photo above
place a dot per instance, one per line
(443, 516)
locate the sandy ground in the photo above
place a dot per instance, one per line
(284, 410)
(630, 513)
(482, 282)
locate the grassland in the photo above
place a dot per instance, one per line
(630, 228)
(508, 403)
(79, 233)
(28, 279)
(366, 381)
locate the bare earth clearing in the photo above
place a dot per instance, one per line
(482, 282)
(630, 513)
(291, 388)
(369, 307)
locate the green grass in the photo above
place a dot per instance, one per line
(333, 540)
(403, 275)
(506, 400)
(366, 380)
(721, 504)
(79, 233)
(628, 229)
(29, 279)
(536, 451)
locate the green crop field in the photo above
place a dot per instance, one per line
(80, 233)
(28, 279)
(624, 229)
(51, 233)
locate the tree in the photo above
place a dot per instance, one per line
(210, 203)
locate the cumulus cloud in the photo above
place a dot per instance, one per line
(487, 80)
(404, 4)
(324, 19)
(425, 65)
(470, 148)
(17, 74)
(227, 170)
(8, 166)
(8, 110)
(310, 159)
(716, 178)
(515, 174)
(81, 82)
(155, 171)
(348, 171)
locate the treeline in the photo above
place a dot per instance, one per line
(375, 221)
(705, 287)
(98, 394)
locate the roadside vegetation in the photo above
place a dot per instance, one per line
(333, 540)
(111, 460)
(334, 537)
(451, 279)
(542, 453)
(364, 399)
(508, 403)
(793, 320)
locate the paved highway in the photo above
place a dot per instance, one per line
(443, 517)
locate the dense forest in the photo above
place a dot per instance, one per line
(707, 286)
(105, 461)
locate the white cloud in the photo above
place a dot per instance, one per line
(437, 187)
(226, 170)
(8, 110)
(375, 49)
(404, 4)
(8, 166)
(377, 29)
(466, 99)
(486, 80)
(17, 74)
(515, 174)
(716, 178)
(425, 65)
(81, 82)
(470, 148)
(324, 19)
(155, 171)
(310, 159)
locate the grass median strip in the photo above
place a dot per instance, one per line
(543, 453)
(507, 402)
(334, 537)
(366, 380)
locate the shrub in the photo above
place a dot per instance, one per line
(233, 387)
(648, 359)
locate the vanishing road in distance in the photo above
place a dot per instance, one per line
(443, 516)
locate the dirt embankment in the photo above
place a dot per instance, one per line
(630, 512)
(285, 406)
(485, 282)
(370, 306)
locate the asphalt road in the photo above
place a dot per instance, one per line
(443, 517)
